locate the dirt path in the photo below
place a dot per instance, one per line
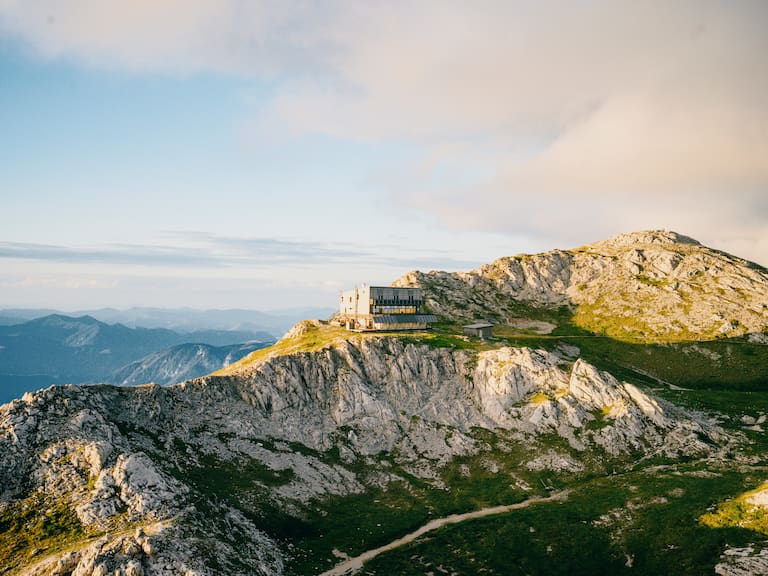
(354, 564)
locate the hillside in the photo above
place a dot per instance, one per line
(182, 362)
(606, 455)
(643, 286)
(305, 429)
(61, 349)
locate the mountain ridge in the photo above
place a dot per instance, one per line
(125, 457)
(182, 362)
(62, 349)
(653, 285)
(331, 442)
(182, 320)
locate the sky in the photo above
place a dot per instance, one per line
(268, 154)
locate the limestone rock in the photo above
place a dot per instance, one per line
(749, 561)
(118, 457)
(651, 285)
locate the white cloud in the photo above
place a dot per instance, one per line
(564, 120)
(59, 282)
(176, 36)
(599, 116)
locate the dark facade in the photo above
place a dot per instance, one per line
(479, 330)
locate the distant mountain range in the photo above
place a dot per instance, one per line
(58, 349)
(183, 320)
(182, 362)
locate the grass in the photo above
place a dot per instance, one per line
(655, 539)
(36, 525)
(649, 519)
(619, 519)
(648, 281)
(727, 363)
(733, 363)
(624, 524)
(311, 338)
(600, 419)
(729, 376)
(538, 398)
(740, 366)
(740, 512)
(496, 475)
(315, 337)
(445, 335)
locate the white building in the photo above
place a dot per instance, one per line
(383, 308)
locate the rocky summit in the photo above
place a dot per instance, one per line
(591, 453)
(655, 285)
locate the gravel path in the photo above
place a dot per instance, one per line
(354, 564)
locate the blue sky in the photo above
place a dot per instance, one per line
(268, 154)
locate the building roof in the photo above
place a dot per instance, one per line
(479, 325)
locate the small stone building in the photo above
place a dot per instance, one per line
(383, 308)
(479, 330)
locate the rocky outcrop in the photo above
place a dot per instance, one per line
(652, 285)
(131, 464)
(748, 561)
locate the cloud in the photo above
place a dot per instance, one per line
(64, 282)
(561, 120)
(203, 250)
(595, 117)
(175, 36)
(113, 254)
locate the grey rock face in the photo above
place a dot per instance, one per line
(653, 285)
(119, 457)
(747, 561)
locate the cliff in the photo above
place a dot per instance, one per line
(131, 462)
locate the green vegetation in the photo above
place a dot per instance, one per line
(444, 335)
(36, 525)
(574, 537)
(645, 517)
(651, 281)
(728, 363)
(725, 364)
(741, 512)
(497, 475)
(314, 337)
(600, 420)
(311, 337)
(622, 517)
(732, 363)
(627, 524)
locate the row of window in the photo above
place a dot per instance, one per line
(394, 309)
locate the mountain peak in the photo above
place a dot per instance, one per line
(653, 285)
(62, 320)
(659, 236)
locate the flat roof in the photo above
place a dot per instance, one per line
(479, 325)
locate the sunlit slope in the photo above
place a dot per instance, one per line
(649, 286)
